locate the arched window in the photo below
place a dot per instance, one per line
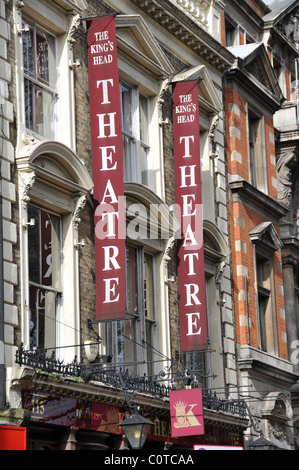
(54, 185)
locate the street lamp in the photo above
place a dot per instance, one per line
(262, 444)
(136, 429)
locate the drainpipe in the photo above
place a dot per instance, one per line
(3, 405)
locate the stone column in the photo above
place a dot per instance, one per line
(288, 263)
(295, 406)
(69, 442)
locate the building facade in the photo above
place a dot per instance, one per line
(260, 115)
(68, 374)
(49, 251)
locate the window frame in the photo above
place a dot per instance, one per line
(134, 173)
(257, 151)
(135, 323)
(61, 24)
(265, 301)
(47, 289)
(48, 88)
(265, 242)
(231, 32)
(40, 183)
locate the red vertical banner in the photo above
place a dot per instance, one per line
(186, 411)
(191, 272)
(106, 134)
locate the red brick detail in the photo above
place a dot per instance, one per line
(246, 259)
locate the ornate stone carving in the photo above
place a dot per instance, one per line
(197, 9)
(289, 260)
(170, 244)
(284, 183)
(73, 29)
(79, 206)
(27, 180)
(289, 26)
(278, 430)
(213, 150)
(19, 6)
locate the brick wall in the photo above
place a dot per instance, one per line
(270, 158)
(243, 220)
(236, 128)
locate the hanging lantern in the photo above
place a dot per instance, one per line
(136, 429)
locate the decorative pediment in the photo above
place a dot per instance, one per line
(266, 236)
(208, 96)
(253, 60)
(55, 162)
(137, 42)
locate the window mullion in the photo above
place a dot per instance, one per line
(136, 134)
(41, 85)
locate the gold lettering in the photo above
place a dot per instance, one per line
(157, 428)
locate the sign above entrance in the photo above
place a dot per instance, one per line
(204, 447)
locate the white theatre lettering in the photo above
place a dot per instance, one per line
(107, 207)
(190, 241)
(191, 269)
(107, 162)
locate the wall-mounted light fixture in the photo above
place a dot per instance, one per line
(78, 244)
(74, 64)
(21, 30)
(26, 224)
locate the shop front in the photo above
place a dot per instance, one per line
(69, 423)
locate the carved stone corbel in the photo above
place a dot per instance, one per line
(79, 206)
(213, 150)
(213, 126)
(218, 279)
(76, 21)
(289, 260)
(19, 6)
(27, 180)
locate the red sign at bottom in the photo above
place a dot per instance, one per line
(186, 411)
(204, 447)
(12, 438)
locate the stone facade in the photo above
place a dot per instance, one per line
(47, 170)
(259, 195)
(9, 191)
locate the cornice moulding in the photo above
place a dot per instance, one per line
(191, 33)
(245, 193)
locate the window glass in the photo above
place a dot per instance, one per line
(257, 155)
(135, 129)
(40, 75)
(144, 138)
(148, 279)
(126, 342)
(149, 306)
(44, 276)
(133, 333)
(263, 275)
(131, 280)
